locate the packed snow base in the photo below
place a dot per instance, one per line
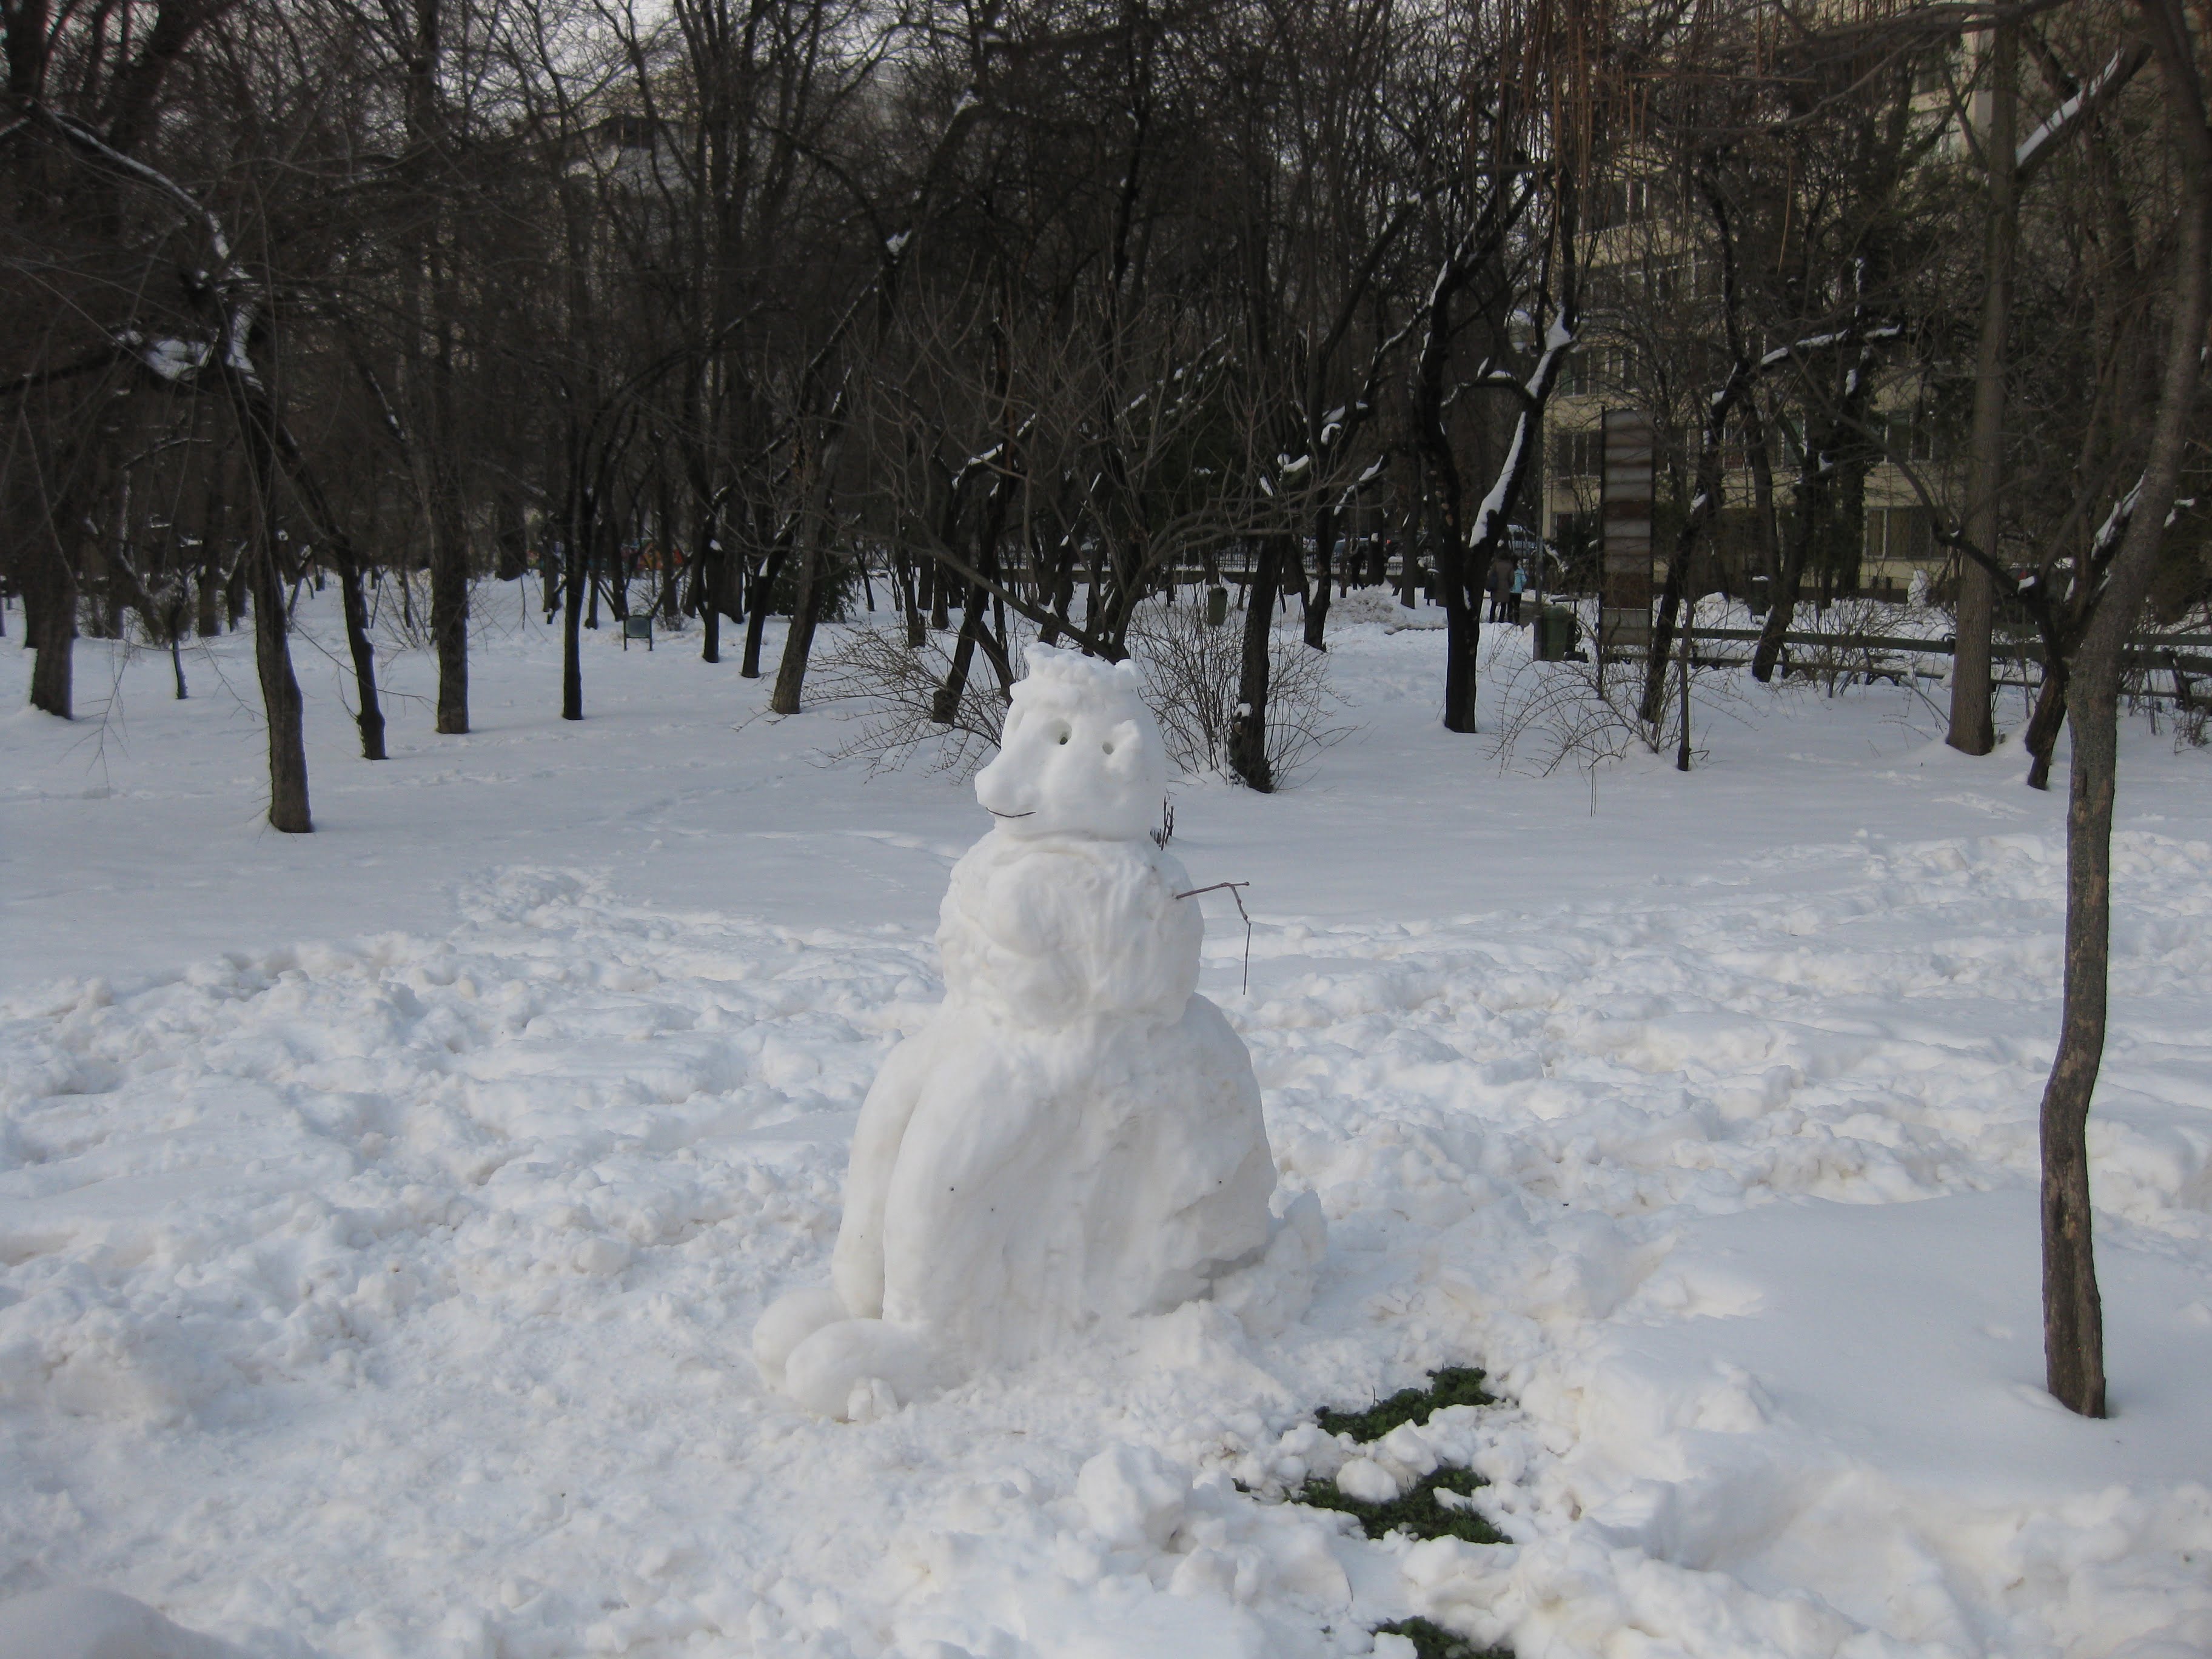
(393, 1296)
(1077, 1137)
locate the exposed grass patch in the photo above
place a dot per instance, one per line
(1455, 1385)
(1417, 1510)
(1432, 1641)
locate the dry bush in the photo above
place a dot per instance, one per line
(1850, 623)
(1554, 713)
(1188, 672)
(1191, 671)
(890, 689)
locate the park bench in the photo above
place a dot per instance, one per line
(2192, 680)
(638, 627)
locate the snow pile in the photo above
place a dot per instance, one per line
(1380, 605)
(1077, 1136)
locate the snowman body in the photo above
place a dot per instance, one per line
(1076, 1136)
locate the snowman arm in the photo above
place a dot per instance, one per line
(856, 1267)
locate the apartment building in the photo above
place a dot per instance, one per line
(1651, 341)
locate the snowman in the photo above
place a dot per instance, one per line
(1076, 1136)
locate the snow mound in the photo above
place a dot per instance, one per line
(97, 1623)
(1380, 606)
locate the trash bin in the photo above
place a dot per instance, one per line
(1217, 606)
(1556, 628)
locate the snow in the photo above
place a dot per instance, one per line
(1076, 1137)
(82, 1624)
(385, 1213)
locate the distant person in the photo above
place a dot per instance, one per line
(1501, 584)
(1519, 585)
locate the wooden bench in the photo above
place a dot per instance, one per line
(2192, 679)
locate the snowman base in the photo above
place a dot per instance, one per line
(809, 1348)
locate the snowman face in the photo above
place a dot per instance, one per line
(1079, 754)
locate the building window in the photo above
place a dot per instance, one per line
(1578, 455)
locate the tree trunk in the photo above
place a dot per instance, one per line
(449, 616)
(1662, 640)
(1324, 556)
(1971, 730)
(798, 638)
(1248, 723)
(946, 703)
(706, 579)
(2043, 726)
(1462, 633)
(50, 629)
(807, 601)
(1811, 491)
(578, 577)
(369, 714)
(272, 651)
(214, 522)
(2073, 1314)
(756, 612)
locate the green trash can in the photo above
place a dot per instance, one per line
(1556, 628)
(1217, 606)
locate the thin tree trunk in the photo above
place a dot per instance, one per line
(1462, 632)
(1663, 639)
(2073, 1313)
(814, 554)
(1248, 723)
(1324, 558)
(2043, 726)
(581, 528)
(369, 716)
(1971, 730)
(710, 583)
(50, 629)
(1812, 508)
(449, 616)
(272, 652)
(946, 703)
(756, 613)
(208, 577)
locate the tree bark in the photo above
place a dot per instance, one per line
(1971, 730)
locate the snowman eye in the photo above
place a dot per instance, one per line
(1108, 745)
(1064, 734)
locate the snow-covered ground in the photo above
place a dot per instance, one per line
(384, 1213)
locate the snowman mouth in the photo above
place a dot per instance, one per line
(996, 813)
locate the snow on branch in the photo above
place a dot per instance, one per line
(1559, 340)
(2118, 70)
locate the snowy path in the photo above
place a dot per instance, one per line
(391, 1296)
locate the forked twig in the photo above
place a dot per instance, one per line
(1233, 889)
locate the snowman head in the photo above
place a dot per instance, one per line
(1079, 754)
